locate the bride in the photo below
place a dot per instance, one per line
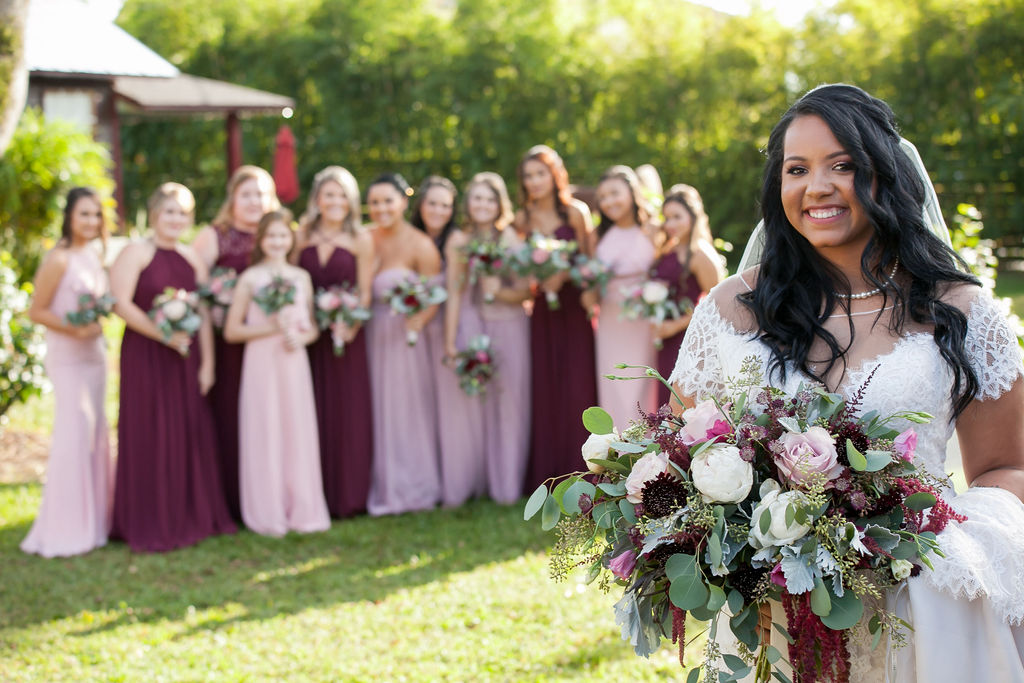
(854, 285)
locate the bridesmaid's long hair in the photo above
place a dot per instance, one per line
(281, 215)
(223, 219)
(550, 158)
(310, 220)
(641, 211)
(170, 190)
(687, 197)
(75, 194)
(795, 285)
(421, 194)
(496, 184)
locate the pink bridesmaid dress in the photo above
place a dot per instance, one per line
(405, 473)
(278, 445)
(74, 516)
(629, 254)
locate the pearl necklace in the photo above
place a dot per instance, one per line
(872, 292)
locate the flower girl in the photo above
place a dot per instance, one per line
(279, 451)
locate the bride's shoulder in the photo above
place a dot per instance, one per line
(965, 296)
(725, 299)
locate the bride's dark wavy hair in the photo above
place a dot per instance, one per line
(793, 278)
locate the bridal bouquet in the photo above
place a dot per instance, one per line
(485, 258)
(339, 304)
(275, 295)
(176, 310)
(217, 293)
(590, 273)
(474, 365)
(652, 301)
(765, 496)
(542, 257)
(90, 309)
(412, 295)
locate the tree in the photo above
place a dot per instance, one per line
(13, 72)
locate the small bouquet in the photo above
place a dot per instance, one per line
(485, 258)
(176, 310)
(540, 258)
(275, 295)
(764, 496)
(474, 365)
(339, 304)
(412, 295)
(651, 301)
(90, 309)
(217, 293)
(590, 273)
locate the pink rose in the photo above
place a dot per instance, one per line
(482, 357)
(349, 300)
(540, 256)
(327, 301)
(702, 423)
(905, 444)
(808, 454)
(645, 469)
(622, 565)
(777, 577)
(216, 285)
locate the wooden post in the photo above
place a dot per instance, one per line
(115, 151)
(234, 130)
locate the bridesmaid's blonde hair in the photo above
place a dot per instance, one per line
(223, 219)
(311, 218)
(496, 184)
(168, 191)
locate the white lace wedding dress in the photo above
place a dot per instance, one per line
(968, 613)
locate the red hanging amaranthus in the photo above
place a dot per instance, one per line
(817, 653)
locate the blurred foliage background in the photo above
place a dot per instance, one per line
(440, 86)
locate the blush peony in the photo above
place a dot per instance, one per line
(645, 469)
(721, 475)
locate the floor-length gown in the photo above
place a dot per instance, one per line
(628, 254)
(233, 249)
(278, 446)
(682, 284)
(74, 516)
(967, 614)
(507, 400)
(460, 417)
(405, 474)
(563, 381)
(343, 402)
(168, 492)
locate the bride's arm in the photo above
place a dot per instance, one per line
(991, 435)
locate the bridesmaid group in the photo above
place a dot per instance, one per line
(255, 419)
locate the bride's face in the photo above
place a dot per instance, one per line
(817, 190)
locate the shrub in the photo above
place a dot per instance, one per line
(21, 344)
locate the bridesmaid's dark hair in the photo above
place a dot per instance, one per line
(417, 216)
(794, 279)
(641, 211)
(395, 180)
(75, 194)
(281, 215)
(689, 198)
(550, 158)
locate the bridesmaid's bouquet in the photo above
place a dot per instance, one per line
(412, 295)
(485, 258)
(652, 301)
(765, 496)
(176, 310)
(474, 365)
(217, 293)
(275, 295)
(590, 273)
(339, 304)
(90, 309)
(542, 257)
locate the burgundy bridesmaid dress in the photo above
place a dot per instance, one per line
(233, 250)
(341, 385)
(168, 492)
(681, 284)
(564, 382)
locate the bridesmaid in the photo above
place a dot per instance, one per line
(688, 262)
(625, 247)
(494, 306)
(227, 243)
(562, 340)
(74, 516)
(335, 250)
(405, 472)
(278, 448)
(168, 492)
(460, 418)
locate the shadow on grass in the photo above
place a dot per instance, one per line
(361, 559)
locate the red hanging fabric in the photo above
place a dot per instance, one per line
(285, 176)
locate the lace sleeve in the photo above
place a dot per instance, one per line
(698, 370)
(991, 345)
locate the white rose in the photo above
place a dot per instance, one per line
(598, 446)
(645, 469)
(654, 292)
(901, 569)
(721, 475)
(779, 533)
(175, 310)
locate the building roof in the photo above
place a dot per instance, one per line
(69, 37)
(190, 94)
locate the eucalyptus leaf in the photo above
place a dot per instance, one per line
(613, 465)
(790, 514)
(846, 611)
(717, 598)
(571, 499)
(714, 550)
(628, 511)
(733, 662)
(772, 654)
(784, 633)
(559, 492)
(735, 601)
(694, 675)
(680, 564)
(550, 514)
(598, 421)
(765, 521)
(688, 591)
(821, 603)
(702, 613)
(781, 677)
(616, 489)
(536, 501)
(919, 501)
(605, 514)
(626, 447)
(876, 460)
(857, 460)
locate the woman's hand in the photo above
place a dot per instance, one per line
(90, 331)
(180, 342)
(490, 285)
(343, 332)
(589, 301)
(554, 283)
(206, 377)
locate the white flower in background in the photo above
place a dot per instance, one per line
(654, 292)
(598, 446)
(175, 309)
(721, 475)
(775, 502)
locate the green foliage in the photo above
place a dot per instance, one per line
(21, 345)
(44, 160)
